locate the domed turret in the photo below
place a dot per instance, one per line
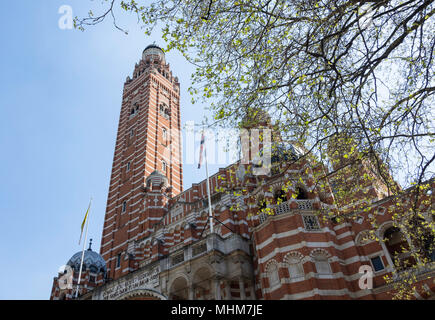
(156, 179)
(92, 261)
(153, 51)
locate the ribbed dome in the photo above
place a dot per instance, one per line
(280, 152)
(156, 178)
(284, 152)
(153, 46)
(92, 261)
(153, 51)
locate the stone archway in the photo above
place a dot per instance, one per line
(179, 289)
(398, 248)
(142, 294)
(202, 283)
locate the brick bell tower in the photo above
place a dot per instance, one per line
(148, 143)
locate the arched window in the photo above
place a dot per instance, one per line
(118, 260)
(134, 110)
(321, 262)
(301, 194)
(164, 110)
(295, 270)
(124, 206)
(294, 264)
(398, 248)
(164, 167)
(165, 135)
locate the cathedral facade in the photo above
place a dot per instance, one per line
(275, 236)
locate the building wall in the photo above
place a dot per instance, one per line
(297, 249)
(320, 262)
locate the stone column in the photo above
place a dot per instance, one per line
(192, 292)
(228, 290)
(242, 289)
(252, 291)
(217, 289)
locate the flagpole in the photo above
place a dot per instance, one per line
(83, 251)
(208, 190)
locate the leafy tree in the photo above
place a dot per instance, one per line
(347, 78)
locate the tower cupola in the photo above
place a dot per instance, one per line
(153, 52)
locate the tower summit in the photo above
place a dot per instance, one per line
(153, 51)
(148, 140)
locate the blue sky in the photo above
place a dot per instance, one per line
(60, 97)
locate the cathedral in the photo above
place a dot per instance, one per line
(274, 236)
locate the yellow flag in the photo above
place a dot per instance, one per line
(84, 221)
